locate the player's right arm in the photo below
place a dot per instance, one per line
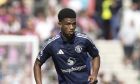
(37, 71)
(43, 55)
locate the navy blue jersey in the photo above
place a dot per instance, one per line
(71, 58)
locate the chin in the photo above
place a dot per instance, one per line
(71, 34)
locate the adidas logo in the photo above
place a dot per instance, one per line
(60, 52)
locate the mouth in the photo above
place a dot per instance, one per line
(71, 32)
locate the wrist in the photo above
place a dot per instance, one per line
(94, 74)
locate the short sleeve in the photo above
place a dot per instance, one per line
(91, 48)
(44, 53)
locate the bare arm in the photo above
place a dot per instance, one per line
(95, 69)
(95, 65)
(37, 72)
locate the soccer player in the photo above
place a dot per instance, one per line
(70, 52)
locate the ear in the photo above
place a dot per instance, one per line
(60, 24)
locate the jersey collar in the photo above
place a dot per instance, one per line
(65, 40)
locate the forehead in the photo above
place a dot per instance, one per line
(69, 20)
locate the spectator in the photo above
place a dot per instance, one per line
(29, 29)
(3, 13)
(87, 24)
(116, 17)
(13, 25)
(128, 38)
(43, 26)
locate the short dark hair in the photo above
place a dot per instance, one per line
(66, 13)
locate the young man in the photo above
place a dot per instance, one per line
(70, 52)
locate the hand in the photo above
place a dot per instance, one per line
(92, 79)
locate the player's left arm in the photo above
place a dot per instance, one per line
(95, 68)
(94, 53)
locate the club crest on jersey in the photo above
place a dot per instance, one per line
(78, 49)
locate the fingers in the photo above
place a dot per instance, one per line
(95, 82)
(91, 79)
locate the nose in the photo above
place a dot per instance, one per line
(71, 27)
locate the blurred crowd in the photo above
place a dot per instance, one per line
(15, 61)
(100, 19)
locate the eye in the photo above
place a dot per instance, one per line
(67, 23)
(74, 23)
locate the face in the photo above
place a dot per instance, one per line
(68, 26)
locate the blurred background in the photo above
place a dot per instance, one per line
(113, 25)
